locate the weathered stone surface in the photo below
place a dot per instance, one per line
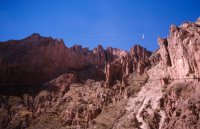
(138, 89)
(140, 57)
(134, 62)
(164, 52)
(140, 54)
(181, 105)
(170, 98)
(39, 59)
(180, 51)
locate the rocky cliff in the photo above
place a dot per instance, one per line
(170, 98)
(38, 59)
(101, 88)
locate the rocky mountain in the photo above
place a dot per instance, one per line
(38, 59)
(45, 84)
(170, 98)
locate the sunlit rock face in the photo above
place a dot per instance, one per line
(42, 80)
(170, 98)
(180, 51)
(140, 57)
(101, 88)
(134, 62)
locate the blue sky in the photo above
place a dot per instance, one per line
(116, 23)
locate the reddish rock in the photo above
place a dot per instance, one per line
(170, 98)
(140, 57)
(140, 54)
(164, 51)
(180, 51)
(37, 59)
(126, 63)
(113, 72)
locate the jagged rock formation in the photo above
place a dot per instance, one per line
(140, 57)
(61, 103)
(39, 59)
(180, 50)
(170, 98)
(102, 89)
(28, 63)
(134, 62)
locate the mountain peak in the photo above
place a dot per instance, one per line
(35, 36)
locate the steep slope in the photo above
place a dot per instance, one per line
(83, 83)
(38, 59)
(170, 98)
(101, 89)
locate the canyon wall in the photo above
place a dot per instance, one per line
(170, 98)
(102, 88)
(38, 59)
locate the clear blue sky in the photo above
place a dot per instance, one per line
(116, 23)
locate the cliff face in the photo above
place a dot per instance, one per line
(134, 62)
(170, 97)
(27, 65)
(37, 59)
(180, 51)
(31, 59)
(102, 89)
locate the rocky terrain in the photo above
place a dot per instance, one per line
(46, 85)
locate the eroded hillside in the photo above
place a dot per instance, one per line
(46, 85)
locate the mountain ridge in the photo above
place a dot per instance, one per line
(103, 89)
(39, 53)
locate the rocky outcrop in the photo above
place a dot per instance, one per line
(127, 63)
(181, 105)
(140, 54)
(180, 51)
(63, 102)
(37, 59)
(164, 52)
(73, 99)
(113, 72)
(138, 89)
(140, 57)
(170, 97)
(114, 53)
